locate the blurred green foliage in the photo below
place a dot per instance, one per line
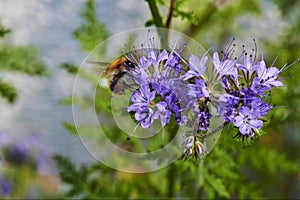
(90, 33)
(23, 59)
(8, 91)
(268, 168)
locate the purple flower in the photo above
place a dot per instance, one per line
(25, 151)
(198, 89)
(224, 67)
(173, 62)
(144, 62)
(6, 186)
(267, 76)
(189, 142)
(197, 67)
(258, 87)
(17, 154)
(162, 90)
(202, 120)
(248, 67)
(246, 121)
(260, 108)
(141, 98)
(144, 116)
(157, 59)
(172, 103)
(227, 107)
(162, 113)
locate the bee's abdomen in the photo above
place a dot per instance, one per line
(114, 82)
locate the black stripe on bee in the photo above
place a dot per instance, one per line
(116, 78)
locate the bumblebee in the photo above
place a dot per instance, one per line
(115, 71)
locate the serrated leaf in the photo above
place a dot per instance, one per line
(23, 59)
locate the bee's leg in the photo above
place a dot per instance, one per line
(129, 87)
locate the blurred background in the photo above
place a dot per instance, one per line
(41, 46)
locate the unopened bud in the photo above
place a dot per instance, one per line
(189, 142)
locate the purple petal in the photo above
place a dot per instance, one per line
(244, 111)
(162, 56)
(255, 123)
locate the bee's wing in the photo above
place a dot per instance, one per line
(99, 63)
(100, 66)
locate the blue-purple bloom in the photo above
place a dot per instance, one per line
(144, 115)
(162, 113)
(246, 84)
(202, 121)
(247, 121)
(24, 151)
(162, 90)
(169, 86)
(197, 67)
(225, 66)
(6, 186)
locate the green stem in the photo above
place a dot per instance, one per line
(157, 19)
(155, 13)
(171, 172)
(171, 180)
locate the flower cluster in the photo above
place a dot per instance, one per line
(246, 83)
(159, 92)
(169, 86)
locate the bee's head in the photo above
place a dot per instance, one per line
(129, 65)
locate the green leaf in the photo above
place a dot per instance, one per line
(3, 31)
(8, 91)
(70, 127)
(71, 68)
(23, 59)
(217, 185)
(76, 179)
(92, 31)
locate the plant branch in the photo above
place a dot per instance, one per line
(170, 14)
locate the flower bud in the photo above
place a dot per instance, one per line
(199, 148)
(189, 142)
